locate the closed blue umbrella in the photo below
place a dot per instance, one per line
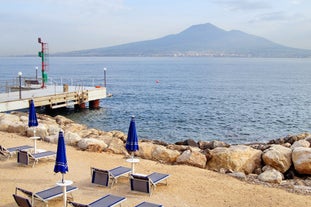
(132, 142)
(32, 116)
(61, 159)
(132, 139)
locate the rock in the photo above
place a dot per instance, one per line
(301, 157)
(239, 158)
(119, 135)
(278, 157)
(62, 121)
(145, 150)
(188, 142)
(300, 143)
(238, 175)
(116, 146)
(271, 175)
(192, 158)
(91, 144)
(72, 138)
(161, 153)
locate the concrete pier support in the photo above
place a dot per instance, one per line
(94, 104)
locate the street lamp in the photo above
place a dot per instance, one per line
(20, 84)
(105, 80)
(37, 73)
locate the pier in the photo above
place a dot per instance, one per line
(53, 96)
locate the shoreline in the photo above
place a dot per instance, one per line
(187, 186)
(184, 175)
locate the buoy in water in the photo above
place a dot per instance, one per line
(157, 81)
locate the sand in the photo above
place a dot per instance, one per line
(187, 186)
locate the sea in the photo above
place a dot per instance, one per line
(235, 100)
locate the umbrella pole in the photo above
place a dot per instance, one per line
(132, 163)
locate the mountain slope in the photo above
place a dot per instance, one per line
(200, 40)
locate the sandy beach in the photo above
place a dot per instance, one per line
(187, 186)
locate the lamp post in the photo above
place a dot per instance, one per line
(37, 73)
(105, 80)
(20, 84)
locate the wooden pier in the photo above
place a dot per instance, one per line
(53, 96)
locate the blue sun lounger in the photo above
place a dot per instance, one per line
(9, 152)
(144, 183)
(106, 201)
(24, 157)
(47, 194)
(147, 204)
(108, 177)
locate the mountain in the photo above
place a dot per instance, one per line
(199, 40)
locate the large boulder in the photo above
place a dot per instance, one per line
(301, 157)
(161, 153)
(239, 158)
(300, 143)
(278, 157)
(271, 175)
(145, 150)
(116, 146)
(92, 144)
(193, 158)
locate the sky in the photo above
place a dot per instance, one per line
(70, 25)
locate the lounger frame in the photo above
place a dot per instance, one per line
(47, 194)
(105, 201)
(9, 152)
(24, 157)
(108, 177)
(143, 183)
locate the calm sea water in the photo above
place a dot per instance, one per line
(237, 100)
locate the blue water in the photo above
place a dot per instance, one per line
(236, 100)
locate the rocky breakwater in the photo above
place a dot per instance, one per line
(284, 162)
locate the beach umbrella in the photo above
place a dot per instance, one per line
(61, 162)
(32, 117)
(132, 142)
(61, 159)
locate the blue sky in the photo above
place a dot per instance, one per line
(68, 25)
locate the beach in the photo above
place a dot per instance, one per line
(187, 186)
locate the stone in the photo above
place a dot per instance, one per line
(300, 143)
(116, 146)
(239, 158)
(278, 157)
(71, 138)
(271, 175)
(161, 153)
(145, 150)
(92, 144)
(195, 158)
(301, 157)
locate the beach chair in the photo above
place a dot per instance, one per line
(21, 201)
(9, 152)
(45, 195)
(108, 177)
(147, 204)
(144, 183)
(106, 201)
(24, 157)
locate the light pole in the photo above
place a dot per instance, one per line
(20, 84)
(37, 73)
(105, 79)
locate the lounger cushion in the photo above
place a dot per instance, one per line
(147, 204)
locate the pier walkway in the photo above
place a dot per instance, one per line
(52, 96)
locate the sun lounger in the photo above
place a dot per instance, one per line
(9, 152)
(143, 183)
(106, 201)
(45, 195)
(21, 201)
(147, 204)
(24, 157)
(108, 177)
